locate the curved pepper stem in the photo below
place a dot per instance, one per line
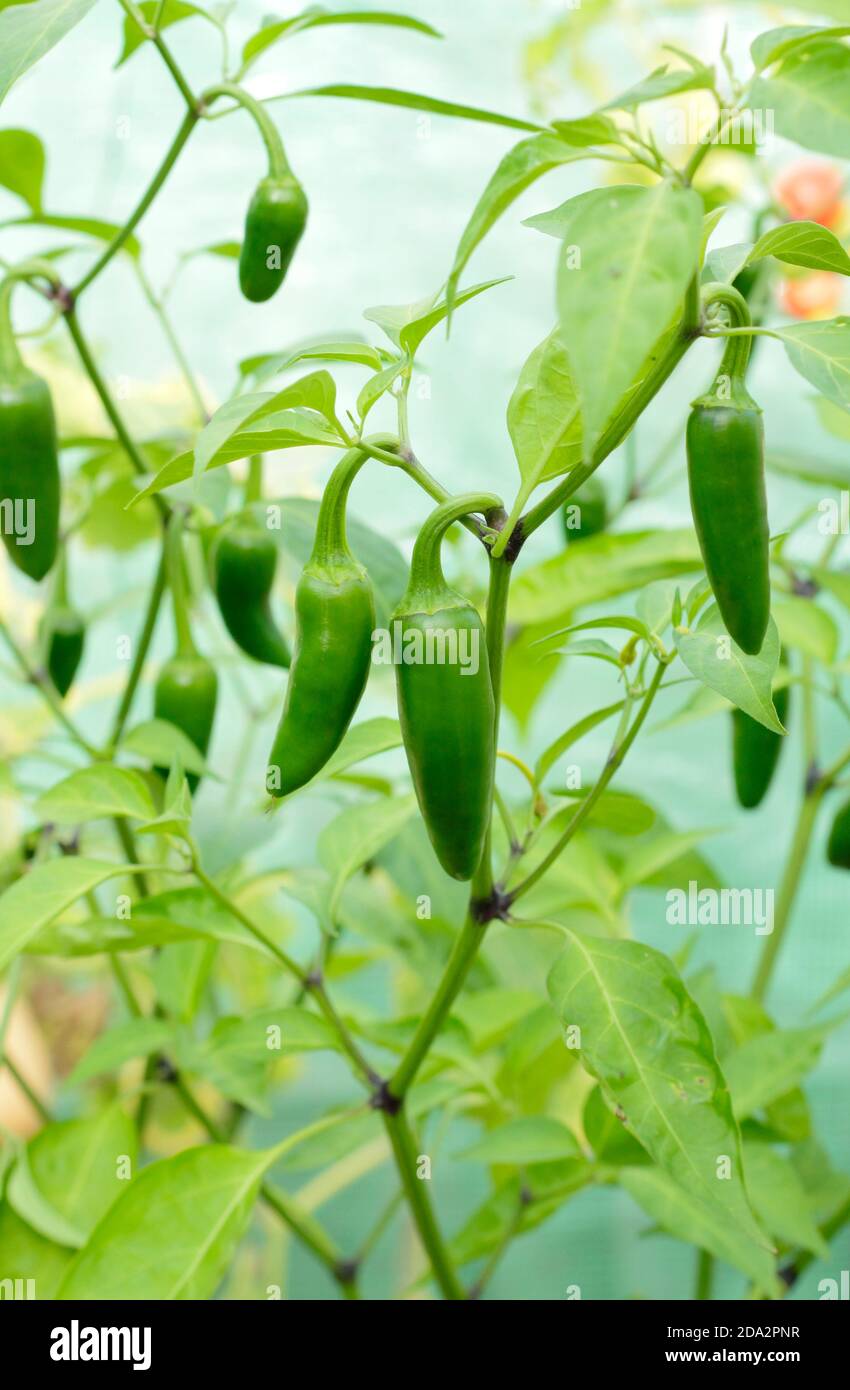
(427, 584)
(11, 362)
(729, 386)
(330, 546)
(279, 167)
(177, 584)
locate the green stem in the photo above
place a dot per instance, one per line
(619, 427)
(175, 568)
(20, 1080)
(48, 694)
(415, 1188)
(278, 163)
(142, 647)
(190, 120)
(705, 1275)
(314, 986)
(427, 583)
(615, 758)
(420, 475)
(174, 343)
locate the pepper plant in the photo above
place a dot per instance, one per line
(494, 894)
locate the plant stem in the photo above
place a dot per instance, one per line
(142, 647)
(705, 1275)
(404, 1150)
(48, 694)
(190, 120)
(620, 426)
(278, 163)
(174, 343)
(35, 1101)
(309, 983)
(615, 758)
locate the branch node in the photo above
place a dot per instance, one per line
(382, 1098)
(345, 1270)
(814, 777)
(314, 980)
(495, 907)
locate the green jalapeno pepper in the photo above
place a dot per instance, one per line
(62, 633)
(838, 846)
(187, 687)
(756, 752)
(277, 216)
(244, 563)
(445, 698)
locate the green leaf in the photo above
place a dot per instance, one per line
(95, 792)
(136, 1037)
(747, 681)
(550, 756)
(602, 567)
(769, 47)
(544, 419)
(316, 392)
(159, 742)
(726, 263)
(588, 130)
(529, 1139)
(73, 1169)
(285, 429)
(607, 1135)
(678, 1213)
(22, 165)
(821, 353)
(202, 1198)
(819, 472)
(316, 16)
(30, 30)
(89, 226)
(661, 84)
(629, 257)
(780, 1200)
(237, 1055)
(172, 13)
(646, 1042)
(407, 325)
(803, 243)
(378, 385)
(391, 96)
(46, 890)
(768, 1065)
(804, 625)
(519, 169)
(646, 860)
(356, 835)
(809, 97)
(24, 1254)
(363, 741)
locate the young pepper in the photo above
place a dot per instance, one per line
(62, 633)
(334, 622)
(838, 846)
(29, 466)
(187, 687)
(445, 698)
(725, 446)
(755, 752)
(244, 563)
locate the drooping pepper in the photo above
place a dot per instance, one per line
(244, 563)
(29, 465)
(334, 622)
(586, 512)
(445, 698)
(62, 633)
(274, 225)
(725, 445)
(187, 687)
(838, 846)
(755, 752)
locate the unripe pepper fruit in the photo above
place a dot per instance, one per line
(334, 622)
(756, 752)
(592, 503)
(725, 446)
(29, 464)
(447, 710)
(274, 225)
(186, 689)
(244, 561)
(838, 846)
(62, 634)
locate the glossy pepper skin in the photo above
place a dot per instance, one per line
(592, 503)
(725, 447)
(274, 225)
(64, 635)
(244, 563)
(447, 708)
(186, 689)
(756, 751)
(838, 846)
(334, 622)
(29, 469)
